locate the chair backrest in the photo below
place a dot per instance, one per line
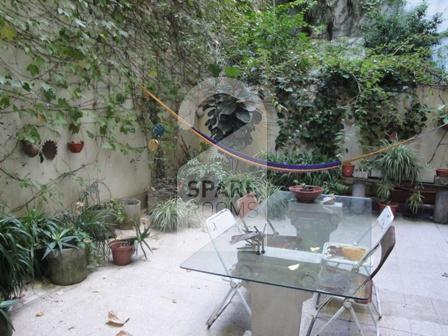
(386, 218)
(219, 222)
(386, 244)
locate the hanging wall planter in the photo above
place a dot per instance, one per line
(75, 147)
(29, 148)
(50, 149)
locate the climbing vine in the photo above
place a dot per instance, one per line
(67, 63)
(320, 84)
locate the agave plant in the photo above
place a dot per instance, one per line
(228, 114)
(172, 214)
(59, 239)
(16, 263)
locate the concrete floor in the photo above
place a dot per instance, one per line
(161, 299)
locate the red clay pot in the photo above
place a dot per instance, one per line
(306, 194)
(347, 169)
(122, 251)
(442, 172)
(393, 206)
(75, 147)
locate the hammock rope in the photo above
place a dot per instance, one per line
(275, 166)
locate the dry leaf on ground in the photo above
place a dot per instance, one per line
(114, 320)
(39, 314)
(123, 333)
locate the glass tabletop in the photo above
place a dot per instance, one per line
(306, 246)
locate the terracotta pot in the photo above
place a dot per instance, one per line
(306, 194)
(347, 169)
(29, 148)
(75, 147)
(393, 206)
(122, 251)
(442, 172)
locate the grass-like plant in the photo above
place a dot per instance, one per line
(16, 263)
(399, 164)
(173, 214)
(4, 307)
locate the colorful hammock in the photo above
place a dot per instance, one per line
(276, 166)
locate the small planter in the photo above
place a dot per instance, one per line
(132, 213)
(122, 251)
(75, 147)
(442, 172)
(393, 206)
(50, 149)
(347, 169)
(306, 194)
(68, 267)
(29, 148)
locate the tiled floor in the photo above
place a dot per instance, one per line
(161, 299)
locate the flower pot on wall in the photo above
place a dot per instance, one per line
(29, 148)
(75, 147)
(122, 251)
(347, 169)
(67, 267)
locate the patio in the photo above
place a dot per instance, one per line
(161, 299)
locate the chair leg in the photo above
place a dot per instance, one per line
(334, 317)
(375, 323)
(378, 302)
(317, 301)
(355, 318)
(222, 306)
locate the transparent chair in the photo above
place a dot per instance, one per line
(334, 279)
(216, 225)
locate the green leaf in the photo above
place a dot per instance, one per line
(232, 72)
(214, 69)
(33, 69)
(7, 33)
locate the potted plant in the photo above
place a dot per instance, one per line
(6, 327)
(132, 211)
(29, 139)
(36, 224)
(413, 206)
(65, 256)
(348, 169)
(75, 146)
(363, 169)
(123, 249)
(399, 166)
(16, 264)
(173, 214)
(306, 193)
(383, 191)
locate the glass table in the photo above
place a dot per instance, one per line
(302, 243)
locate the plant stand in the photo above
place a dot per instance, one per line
(441, 210)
